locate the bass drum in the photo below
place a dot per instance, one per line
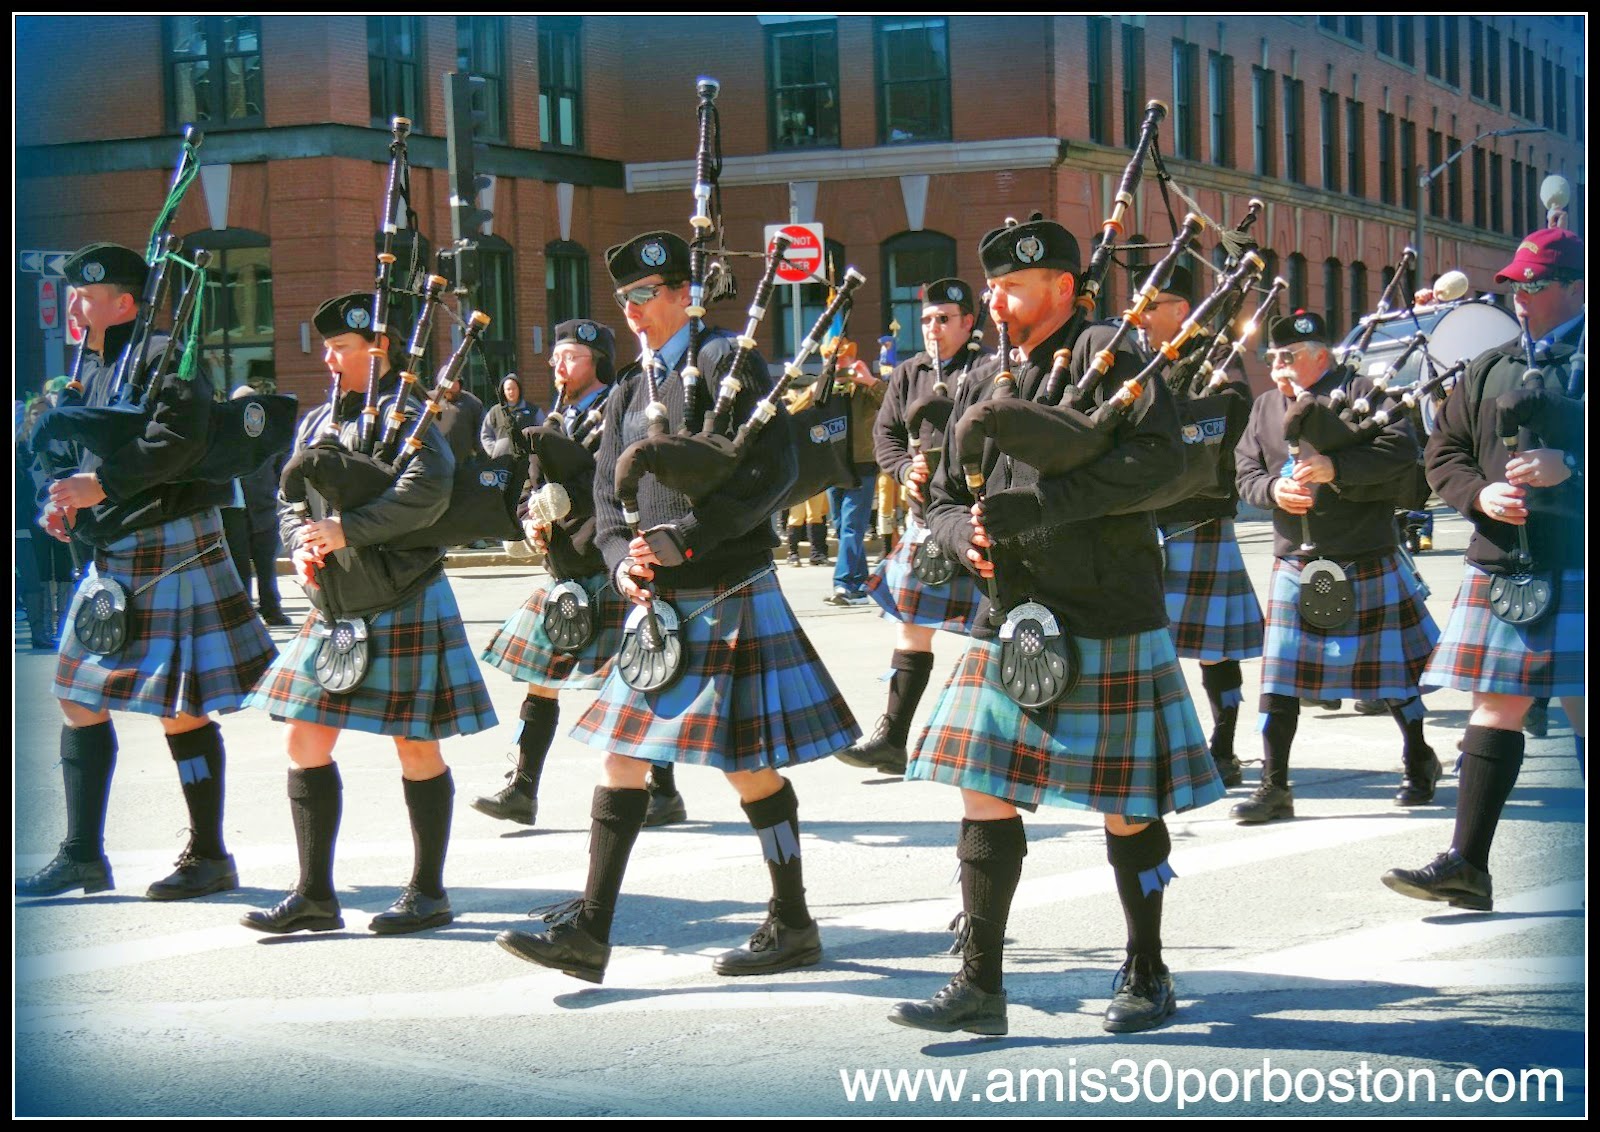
(1464, 331)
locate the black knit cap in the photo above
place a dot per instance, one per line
(347, 314)
(1037, 242)
(106, 263)
(1301, 326)
(587, 332)
(948, 291)
(654, 253)
(1180, 282)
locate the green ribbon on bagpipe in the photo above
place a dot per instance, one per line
(190, 164)
(191, 345)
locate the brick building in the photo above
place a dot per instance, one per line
(906, 137)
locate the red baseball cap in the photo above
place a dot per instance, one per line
(1543, 253)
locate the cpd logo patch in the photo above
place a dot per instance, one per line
(357, 318)
(1030, 249)
(653, 254)
(255, 419)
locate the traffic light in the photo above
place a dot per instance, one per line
(468, 222)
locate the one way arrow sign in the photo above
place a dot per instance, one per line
(44, 262)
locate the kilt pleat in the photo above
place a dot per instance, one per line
(1125, 741)
(952, 607)
(753, 694)
(522, 648)
(423, 681)
(1211, 605)
(1481, 653)
(1379, 654)
(195, 644)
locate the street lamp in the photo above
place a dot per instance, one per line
(1426, 179)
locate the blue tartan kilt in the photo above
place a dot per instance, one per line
(1125, 741)
(1211, 605)
(1379, 654)
(753, 693)
(952, 607)
(423, 681)
(1481, 653)
(522, 648)
(195, 644)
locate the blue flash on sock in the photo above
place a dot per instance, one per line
(1411, 710)
(1154, 880)
(1261, 721)
(778, 843)
(193, 770)
(1233, 697)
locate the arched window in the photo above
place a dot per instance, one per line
(496, 296)
(1333, 296)
(910, 260)
(566, 282)
(813, 299)
(1358, 291)
(237, 320)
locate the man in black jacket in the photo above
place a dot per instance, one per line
(920, 608)
(1336, 505)
(192, 644)
(1074, 551)
(1537, 493)
(753, 697)
(422, 684)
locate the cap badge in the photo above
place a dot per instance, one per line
(653, 254)
(93, 272)
(1304, 326)
(357, 318)
(1030, 249)
(587, 332)
(954, 293)
(1527, 273)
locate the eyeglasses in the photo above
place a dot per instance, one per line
(570, 358)
(640, 295)
(1287, 354)
(930, 319)
(1535, 287)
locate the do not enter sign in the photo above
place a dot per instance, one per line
(802, 263)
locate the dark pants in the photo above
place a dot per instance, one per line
(253, 552)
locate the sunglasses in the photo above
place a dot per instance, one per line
(638, 296)
(1287, 354)
(1535, 288)
(930, 319)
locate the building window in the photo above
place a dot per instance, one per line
(566, 283)
(1385, 35)
(1492, 38)
(803, 84)
(496, 296)
(480, 50)
(561, 81)
(911, 260)
(913, 80)
(1296, 275)
(1099, 74)
(1577, 107)
(1408, 165)
(1435, 186)
(1561, 99)
(1185, 99)
(394, 51)
(1355, 132)
(1331, 157)
(1497, 180)
(1480, 176)
(1515, 78)
(1386, 157)
(1352, 28)
(214, 71)
(1454, 175)
(1265, 126)
(1132, 83)
(1329, 23)
(1358, 292)
(1294, 130)
(1527, 83)
(1333, 295)
(1536, 216)
(237, 337)
(1517, 206)
(1452, 50)
(1220, 82)
(1405, 39)
(1433, 45)
(813, 300)
(1475, 59)
(1548, 117)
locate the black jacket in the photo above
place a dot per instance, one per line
(367, 577)
(573, 553)
(1465, 455)
(913, 379)
(1092, 556)
(1352, 517)
(729, 533)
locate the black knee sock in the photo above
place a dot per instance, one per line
(1140, 863)
(429, 803)
(1408, 715)
(540, 714)
(776, 820)
(663, 778)
(1494, 759)
(991, 855)
(199, 756)
(88, 756)
(617, 817)
(1223, 683)
(1280, 718)
(316, 802)
(910, 680)
(794, 539)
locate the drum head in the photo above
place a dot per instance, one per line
(101, 623)
(651, 657)
(1327, 599)
(1038, 662)
(569, 619)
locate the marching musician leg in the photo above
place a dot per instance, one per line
(1223, 683)
(518, 801)
(205, 866)
(1573, 706)
(885, 749)
(88, 758)
(430, 793)
(1138, 852)
(1280, 719)
(788, 937)
(1423, 768)
(666, 804)
(316, 805)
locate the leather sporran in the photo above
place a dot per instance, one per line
(1327, 599)
(1524, 598)
(1039, 663)
(569, 617)
(344, 653)
(651, 657)
(101, 623)
(932, 564)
